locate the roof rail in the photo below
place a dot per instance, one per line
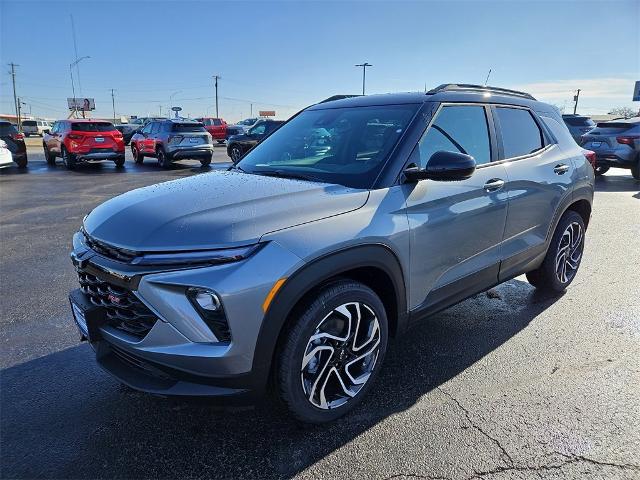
(478, 88)
(338, 97)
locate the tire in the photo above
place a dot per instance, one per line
(48, 156)
(137, 156)
(566, 247)
(69, 159)
(235, 152)
(204, 162)
(635, 170)
(313, 392)
(162, 159)
(119, 162)
(601, 171)
(22, 163)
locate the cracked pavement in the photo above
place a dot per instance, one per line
(507, 385)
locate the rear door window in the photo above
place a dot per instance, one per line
(520, 132)
(461, 129)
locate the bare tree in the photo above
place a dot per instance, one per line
(625, 112)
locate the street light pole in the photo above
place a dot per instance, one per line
(364, 73)
(113, 105)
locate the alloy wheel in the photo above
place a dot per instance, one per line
(235, 154)
(341, 355)
(569, 252)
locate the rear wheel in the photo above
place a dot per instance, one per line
(206, 161)
(635, 170)
(333, 352)
(69, 159)
(48, 156)
(563, 257)
(601, 170)
(22, 162)
(119, 161)
(137, 156)
(162, 158)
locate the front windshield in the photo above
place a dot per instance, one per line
(347, 146)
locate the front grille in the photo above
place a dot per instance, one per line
(109, 251)
(124, 310)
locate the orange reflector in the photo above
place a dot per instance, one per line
(272, 293)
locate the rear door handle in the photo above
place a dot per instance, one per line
(561, 169)
(494, 184)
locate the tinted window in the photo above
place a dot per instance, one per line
(92, 127)
(188, 127)
(155, 127)
(579, 121)
(7, 129)
(520, 132)
(30, 123)
(258, 129)
(457, 129)
(216, 121)
(347, 146)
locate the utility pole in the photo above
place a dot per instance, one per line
(575, 99)
(160, 107)
(251, 107)
(364, 73)
(113, 104)
(216, 77)
(19, 114)
(15, 97)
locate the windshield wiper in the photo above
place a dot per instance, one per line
(286, 174)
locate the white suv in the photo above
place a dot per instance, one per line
(35, 127)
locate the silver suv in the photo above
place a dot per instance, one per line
(616, 144)
(172, 139)
(294, 268)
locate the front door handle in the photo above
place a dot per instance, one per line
(561, 169)
(494, 184)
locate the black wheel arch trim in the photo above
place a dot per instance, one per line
(310, 276)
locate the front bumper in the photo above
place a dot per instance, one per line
(179, 355)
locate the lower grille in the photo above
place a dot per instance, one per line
(124, 310)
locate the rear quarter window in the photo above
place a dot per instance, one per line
(520, 132)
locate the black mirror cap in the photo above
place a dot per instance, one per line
(450, 166)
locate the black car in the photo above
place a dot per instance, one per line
(15, 142)
(238, 145)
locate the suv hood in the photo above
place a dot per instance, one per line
(215, 210)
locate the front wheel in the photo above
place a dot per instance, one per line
(48, 156)
(601, 170)
(333, 352)
(137, 156)
(235, 152)
(564, 255)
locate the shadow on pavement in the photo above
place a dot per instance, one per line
(617, 183)
(63, 417)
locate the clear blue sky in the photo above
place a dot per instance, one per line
(287, 55)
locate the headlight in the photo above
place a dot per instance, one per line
(199, 257)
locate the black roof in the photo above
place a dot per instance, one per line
(443, 93)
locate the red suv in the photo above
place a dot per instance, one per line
(217, 127)
(83, 140)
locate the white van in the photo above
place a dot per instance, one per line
(34, 127)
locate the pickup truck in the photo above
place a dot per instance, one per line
(217, 127)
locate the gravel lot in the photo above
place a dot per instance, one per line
(506, 385)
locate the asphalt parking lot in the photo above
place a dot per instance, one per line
(509, 384)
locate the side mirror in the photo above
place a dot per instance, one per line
(444, 166)
(47, 131)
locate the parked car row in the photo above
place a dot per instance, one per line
(14, 144)
(616, 144)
